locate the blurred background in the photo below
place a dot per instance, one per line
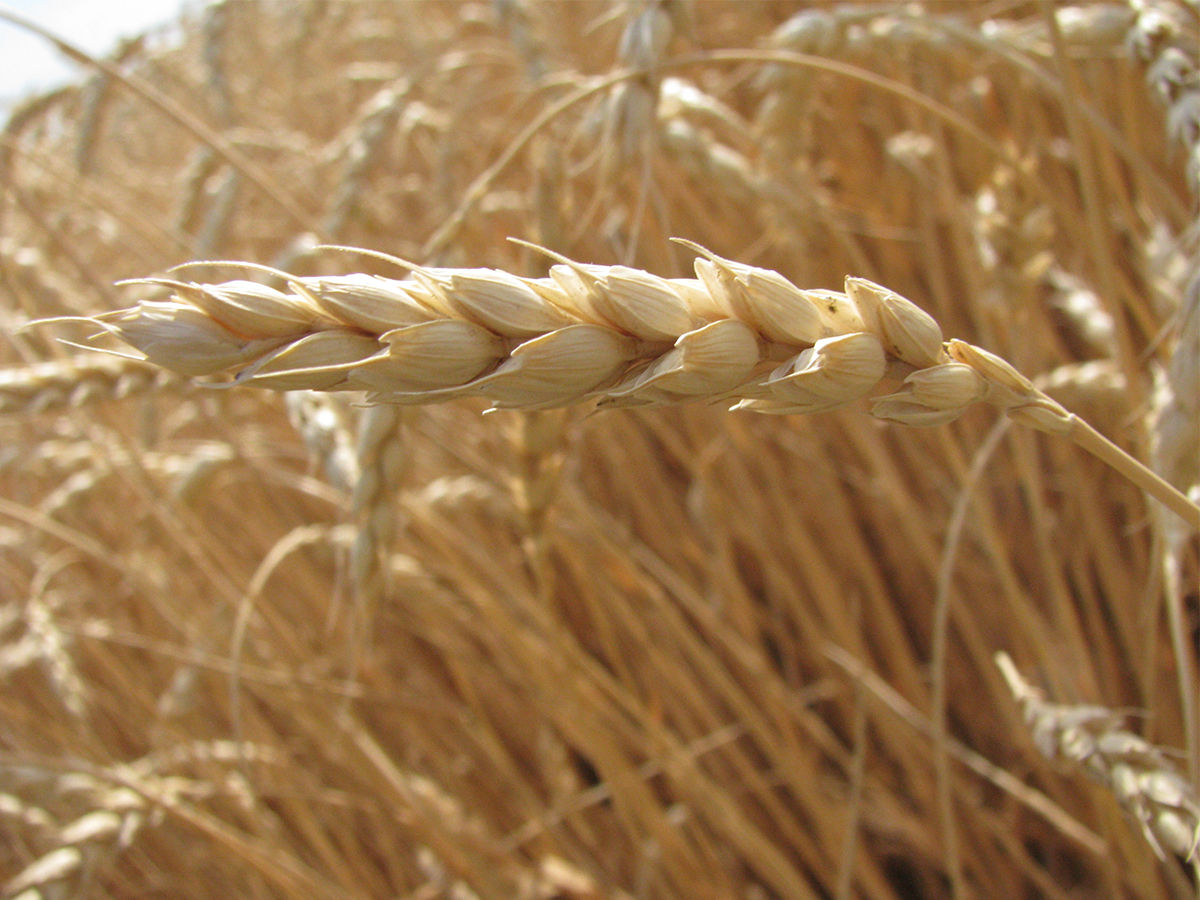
(33, 64)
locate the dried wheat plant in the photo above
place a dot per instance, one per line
(610, 640)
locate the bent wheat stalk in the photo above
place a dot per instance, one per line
(621, 336)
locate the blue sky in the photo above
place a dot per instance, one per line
(28, 63)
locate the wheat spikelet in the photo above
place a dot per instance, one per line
(89, 840)
(1165, 38)
(13, 808)
(43, 642)
(363, 147)
(326, 426)
(1161, 38)
(643, 44)
(109, 807)
(380, 457)
(516, 19)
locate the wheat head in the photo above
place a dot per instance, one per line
(1139, 774)
(622, 336)
(615, 334)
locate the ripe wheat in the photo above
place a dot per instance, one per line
(624, 337)
(55, 384)
(664, 654)
(1144, 781)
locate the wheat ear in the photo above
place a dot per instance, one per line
(57, 384)
(625, 337)
(1139, 774)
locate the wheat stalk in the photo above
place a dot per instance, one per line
(619, 335)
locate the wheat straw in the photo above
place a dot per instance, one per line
(621, 336)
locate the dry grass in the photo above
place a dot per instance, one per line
(286, 647)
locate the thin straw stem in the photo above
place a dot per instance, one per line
(1105, 450)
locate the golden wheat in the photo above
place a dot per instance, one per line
(630, 338)
(660, 652)
(1163, 803)
(627, 337)
(55, 384)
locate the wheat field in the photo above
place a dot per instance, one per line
(292, 644)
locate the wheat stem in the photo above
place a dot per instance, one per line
(1109, 453)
